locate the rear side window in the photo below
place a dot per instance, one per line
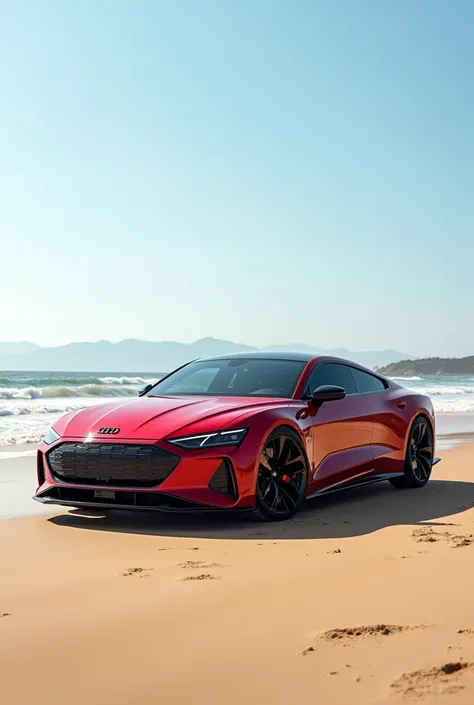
(367, 383)
(331, 373)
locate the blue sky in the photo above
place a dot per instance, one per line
(261, 171)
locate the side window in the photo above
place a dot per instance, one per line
(367, 383)
(331, 373)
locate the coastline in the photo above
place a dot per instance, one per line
(9, 452)
(453, 430)
(130, 608)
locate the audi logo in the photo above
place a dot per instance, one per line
(108, 430)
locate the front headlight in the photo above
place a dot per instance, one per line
(50, 436)
(208, 440)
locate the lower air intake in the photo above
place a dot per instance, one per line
(223, 480)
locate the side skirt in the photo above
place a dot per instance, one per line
(355, 483)
(360, 482)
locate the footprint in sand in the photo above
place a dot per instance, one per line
(200, 564)
(470, 632)
(346, 635)
(439, 680)
(137, 572)
(349, 633)
(460, 540)
(426, 534)
(5, 614)
(202, 576)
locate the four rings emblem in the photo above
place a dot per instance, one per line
(108, 430)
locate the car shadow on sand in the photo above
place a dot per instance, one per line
(342, 514)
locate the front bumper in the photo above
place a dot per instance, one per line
(125, 500)
(207, 479)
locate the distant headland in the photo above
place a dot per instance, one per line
(455, 366)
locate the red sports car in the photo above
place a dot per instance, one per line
(255, 432)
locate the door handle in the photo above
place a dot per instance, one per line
(401, 404)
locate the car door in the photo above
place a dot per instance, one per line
(390, 411)
(342, 429)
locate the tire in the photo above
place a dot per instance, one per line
(418, 458)
(282, 477)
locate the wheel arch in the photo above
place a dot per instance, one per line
(420, 413)
(284, 425)
(293, 431)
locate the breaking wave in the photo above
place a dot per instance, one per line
(445, 390)
(60, 380)
(407, 379)
(453, 406)
(39, 409)
(128, 387)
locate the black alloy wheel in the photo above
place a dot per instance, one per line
(282, 477)
(419, 456)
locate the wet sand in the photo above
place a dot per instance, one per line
(148, 609)
(18, 483)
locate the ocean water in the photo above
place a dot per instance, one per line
(31, 401)
(450, 395)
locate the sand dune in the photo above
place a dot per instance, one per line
(365, 597)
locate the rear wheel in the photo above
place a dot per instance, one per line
(282, 477)
(419, 456)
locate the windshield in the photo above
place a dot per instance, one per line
(233, 378)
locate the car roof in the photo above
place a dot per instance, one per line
(294, 356)
(262, 355)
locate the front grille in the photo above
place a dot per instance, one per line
(117, 464)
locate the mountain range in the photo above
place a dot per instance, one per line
(148, 356)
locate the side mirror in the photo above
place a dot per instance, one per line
(328, 392)
(143, 390)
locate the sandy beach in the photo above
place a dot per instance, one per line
(365, 597)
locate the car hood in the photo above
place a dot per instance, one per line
(159, 417)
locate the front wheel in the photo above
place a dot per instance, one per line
(282, 477)
(419, 456)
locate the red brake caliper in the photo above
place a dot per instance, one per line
(286, 478)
